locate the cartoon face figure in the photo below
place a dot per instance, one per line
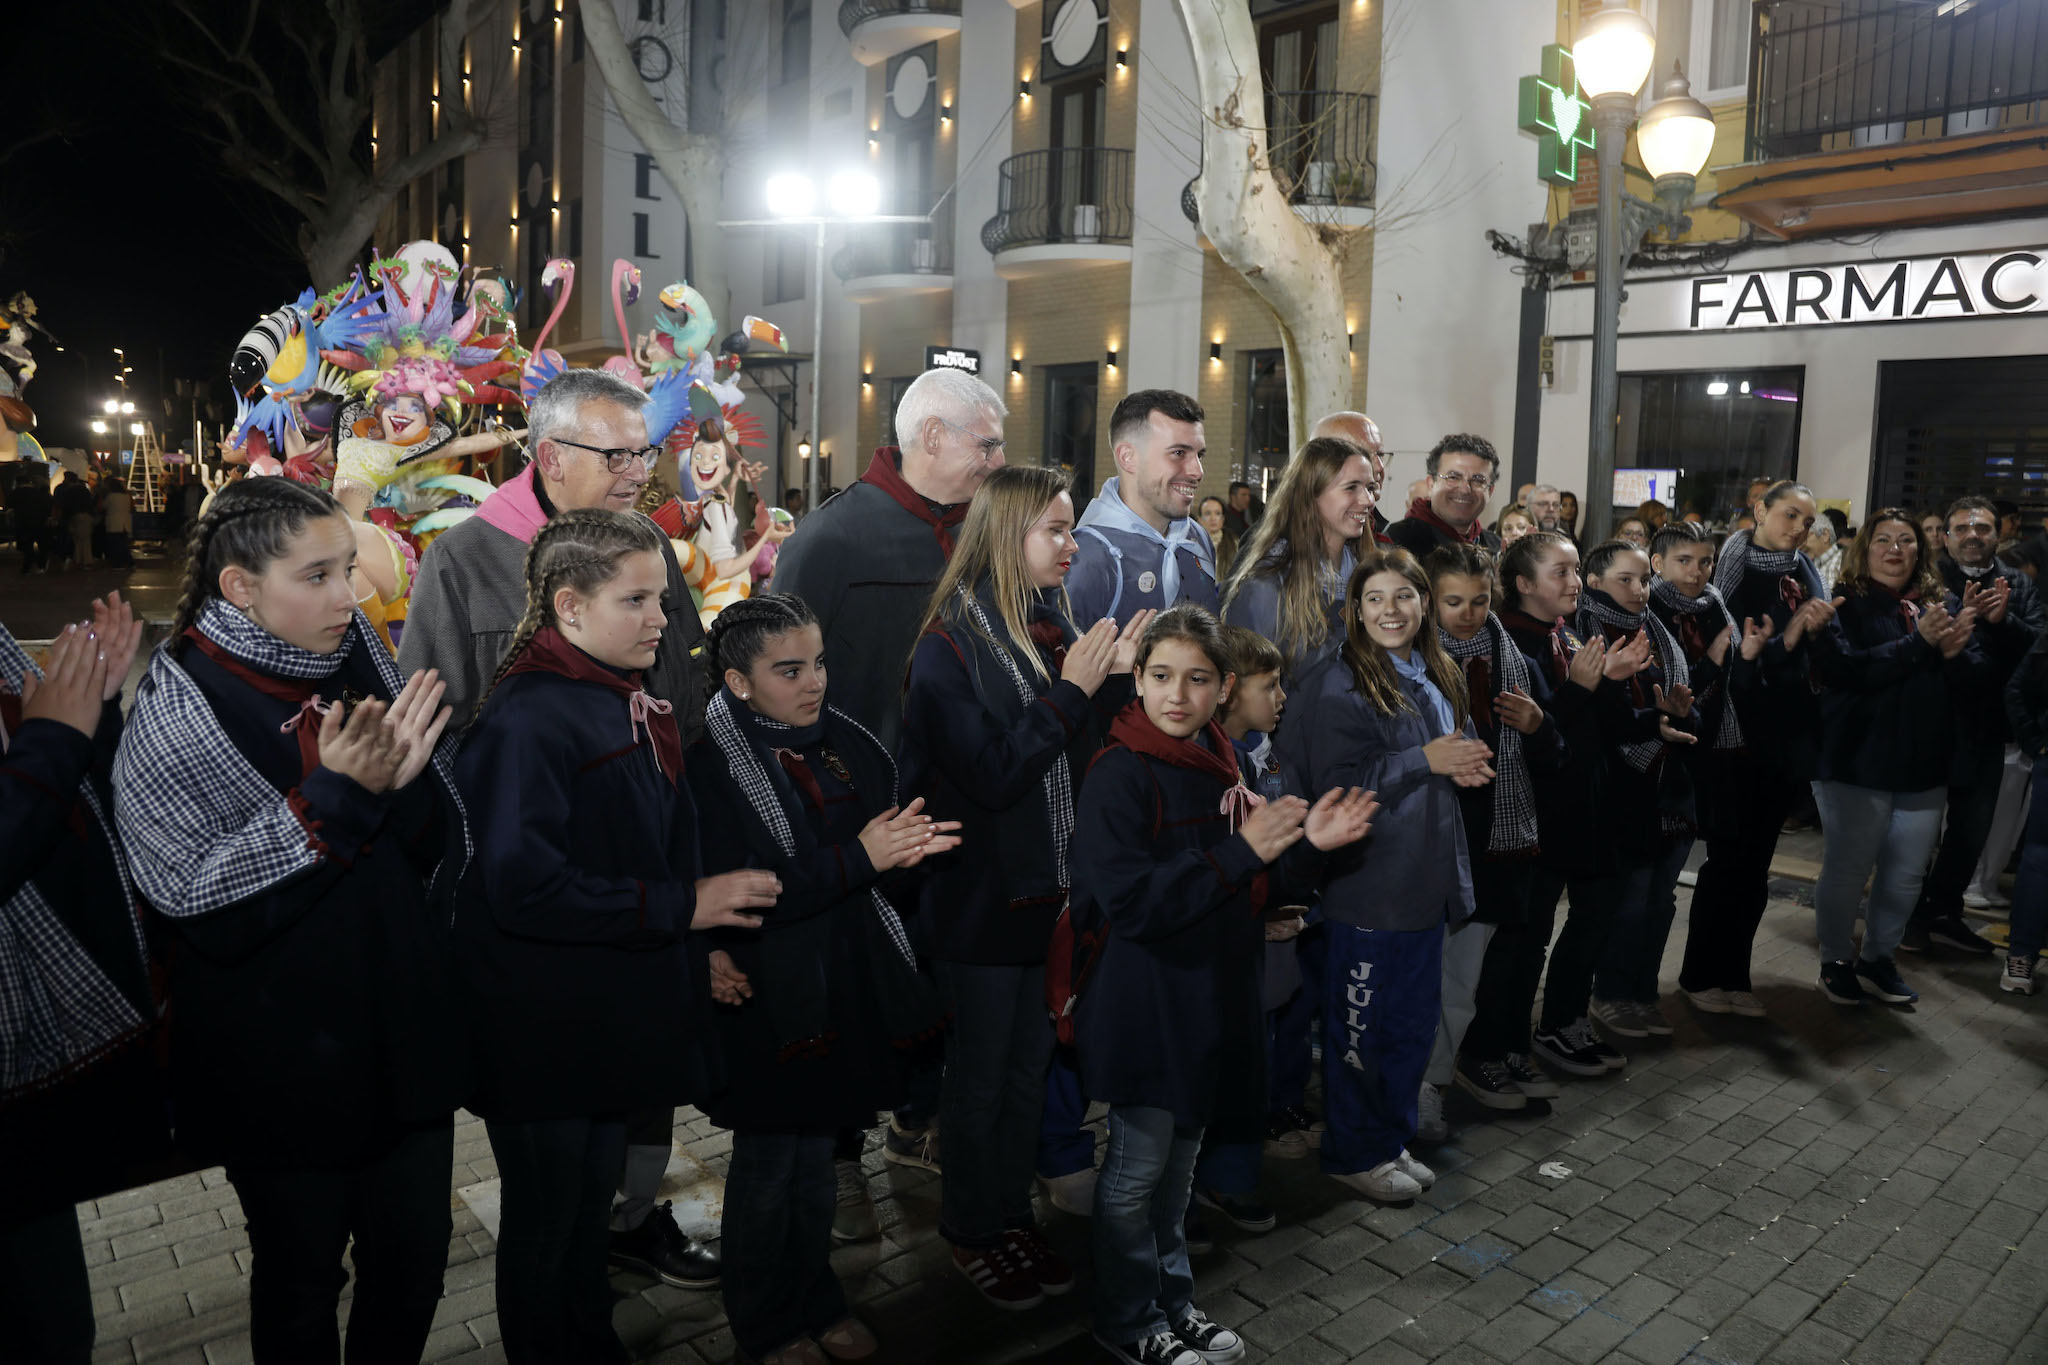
(710, 462)
(403, 418)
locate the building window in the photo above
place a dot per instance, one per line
(653, 11)
(783, 274)
(1949, 427)
(1720, 48)
(1265, 420)
(576, 35)
(644, 171)
(1070, 402)
(1716, 430)
(796, 40)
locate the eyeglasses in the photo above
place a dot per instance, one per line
(991, 446)
(617, 457)
(1479, 483)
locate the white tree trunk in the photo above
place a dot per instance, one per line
(1246, 216)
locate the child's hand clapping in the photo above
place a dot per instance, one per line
(1273, 828)
(905, 839)
(1340, 818)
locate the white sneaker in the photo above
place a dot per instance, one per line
(1977, 899)
(1073, 1193)
(1415, 1170)
(1385, 1183)
(1430, 1127)
(1712, 1000)
(1745, 1004)
(2019, 976)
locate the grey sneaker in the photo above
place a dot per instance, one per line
(854, 1219)
(1430, 1128)
(1651, 1019)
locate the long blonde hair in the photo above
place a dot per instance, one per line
(991, 546)
(1372, 671)
(1292, 533)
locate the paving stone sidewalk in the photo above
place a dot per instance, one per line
(1829, 1185)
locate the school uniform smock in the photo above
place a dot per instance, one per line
(1501, 817)
(571, 926)
(1888, 701)
(1255, 604)
(1778, 699)
(1649, 787)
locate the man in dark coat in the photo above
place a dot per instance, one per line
(1462, 472)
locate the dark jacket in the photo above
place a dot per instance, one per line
(73, 499)
(1571, 796)
(571, 927)
(1411, 871)
(1255, 605)
(2026, 701)
(1419, 537)
(1542, 752)
(315, 1021)
(1888, 698)
(1646, 809)
(1116, 570)
(1778, 700)
(1982, 732)
(1717, 772)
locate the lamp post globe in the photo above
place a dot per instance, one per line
(1675, 134)
(1613, 51)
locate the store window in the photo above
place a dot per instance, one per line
(1969, 425)
(796, 40)
(1070, 395)
(1265, 450)
(1716, 430)
(1720, 48)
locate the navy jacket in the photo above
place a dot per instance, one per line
(571, 925)
(1116, 572)
(1411, 871)
(1640, 805)
(1982, 732)
(1542, 752)
(1571, 809)
(1778, 700)
(1717, 773)
(1255, 605)
(1889, 700)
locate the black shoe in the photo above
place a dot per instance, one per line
(658, 1248)
(1161, 1348)
(1214, 1343)
(1530, 1078)
(1200, 1237)
(1883, 980)
(1838, 983)
(1570, 1049)
(1952, 931)
(1248, 1214)
(1490, 1083)
(1915, 939)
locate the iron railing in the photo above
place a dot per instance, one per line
(1061, 194)
(899, 248)
(1320, 145)
(1830, 76)
(854, 13)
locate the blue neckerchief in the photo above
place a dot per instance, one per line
(1109, 512)
(1413, 670)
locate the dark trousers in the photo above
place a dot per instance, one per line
(1064, 1146)
(1642, 922)
(2030, 889)
(1512, 970)
(996, 1056)
(1588, 922)
(1383, 993)
(34, 542)
(1748, 806)
(45, 1300)
(120, 549)
(780, 1194)
(554, 1294)
(300, 1223)
(1232, 1152)
(1971, 806)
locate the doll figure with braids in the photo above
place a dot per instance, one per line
(573, 929)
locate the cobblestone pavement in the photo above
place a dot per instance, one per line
(1828, 1185)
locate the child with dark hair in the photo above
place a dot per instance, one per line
(285, 814)
(572, 925)
(1172, 855)
(828, 995)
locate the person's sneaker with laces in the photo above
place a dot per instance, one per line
(1977, 898)
(1712, 1000)
(1881, 979)
(1284, 1137)
(1563, 1049)
(1073, 1192)
(2018, 976)
(1619, 1016)
(1311, 1127)
(1040, 1261)
(1489, 1082)
(1430, 1127)
(1838, 983)
(1415, 1170)
(1530, 1078)
(1746, 1004)
(854, 1219)
(918, 1147)
(1213, 1342)
(1651, 1019)
(658, 1248)
(1000, 1276)
(1243, 1211)
(1385, 1183)
(1196, 1232)
(1915, 939)
(1582, 1032)
(849, 1339)
(1953, 931)
(1161, 1348)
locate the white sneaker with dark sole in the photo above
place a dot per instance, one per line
(1385, 1183)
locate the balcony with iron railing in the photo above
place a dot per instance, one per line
(1890, 113)
(1060, 207)
(888, 260)
(879, 29)
(1320, 145)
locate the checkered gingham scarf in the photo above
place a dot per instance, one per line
(203, 828)
(743, 761)
(58, 1009)
(1729, 736)
(1059, 779)
(1641, 754)
(1514, 800)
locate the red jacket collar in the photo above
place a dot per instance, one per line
(885, 471)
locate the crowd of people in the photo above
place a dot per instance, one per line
(997, 805)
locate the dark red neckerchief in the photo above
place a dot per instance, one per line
(1134, 730)
(1479, 687)
(1560, 652)
(883, 472)
(1420, 510)
(548, 652)
(1908, 602)
(1048, 636)
(1691, 638)
(304, 693)
(1791, 592)
(806, 781)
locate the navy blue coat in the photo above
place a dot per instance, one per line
(1411, 871)
(1641, 804)
(571, 927)
(1116, 575)
(1888, 708)
(1779, 707)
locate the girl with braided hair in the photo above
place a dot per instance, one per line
(572, 928)
(831, 999)
(285, 814)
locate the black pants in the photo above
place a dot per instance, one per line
(1513, 966)
(300, 1222)
(996, 1054)
(1971, 806)
(45, 1301)
(780, 1194)
(1748, 805)
(1568, 986)
(554, 1293)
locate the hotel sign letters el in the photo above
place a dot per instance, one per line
(1925, 288)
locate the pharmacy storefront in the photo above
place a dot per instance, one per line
(1900, 370)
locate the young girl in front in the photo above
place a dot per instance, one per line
(1172, 856)
(1389, 714)
(829, 997)
(571, 926)
(284, 814)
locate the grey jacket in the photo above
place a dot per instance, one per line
(467, 601)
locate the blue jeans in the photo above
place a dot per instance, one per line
(2030, 890)
(780, 1195)
(1642, 921)
(1142, 1280)
(1893, 832)
(1384, 992)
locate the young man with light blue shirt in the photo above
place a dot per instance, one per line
(1140, 545)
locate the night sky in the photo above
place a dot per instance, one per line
(126, 230)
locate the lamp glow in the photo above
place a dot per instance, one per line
(1676, 133)
(790, 196)
(135, 428)
(1613, 52)
(113, 405)
(854, 194)
(99, 428)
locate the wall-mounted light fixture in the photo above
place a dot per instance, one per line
(1017, 365)
(1350, 339)
(1112, 359)
(867, 379)
(1216, 350)
(1024, 88)
(946, 113)
(1123, 59)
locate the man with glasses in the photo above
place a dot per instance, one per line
(1462, 472)
(1546, 508)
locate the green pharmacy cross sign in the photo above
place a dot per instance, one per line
(1550, 108)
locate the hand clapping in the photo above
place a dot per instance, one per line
(904, 839)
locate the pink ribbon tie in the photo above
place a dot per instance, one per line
(642, 706)
(313, 704)
(1238, 803)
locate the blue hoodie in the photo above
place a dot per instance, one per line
(1123, 565)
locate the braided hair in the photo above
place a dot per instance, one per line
(740, 632)
(579, 550)
(250, 524)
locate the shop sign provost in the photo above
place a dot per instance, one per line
(1918, 289)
